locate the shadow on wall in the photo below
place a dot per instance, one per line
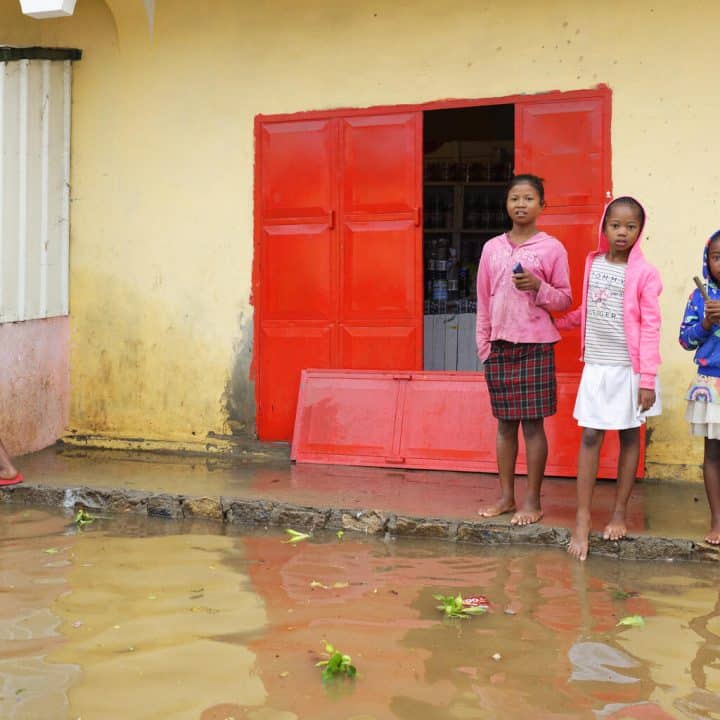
(239, 396)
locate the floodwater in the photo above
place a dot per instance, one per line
(137, 618)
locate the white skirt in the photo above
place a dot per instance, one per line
(607, 398)
(704, 419)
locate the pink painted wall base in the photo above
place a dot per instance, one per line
(34, 383)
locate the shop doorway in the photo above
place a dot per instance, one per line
(342, 246)
(468, 158)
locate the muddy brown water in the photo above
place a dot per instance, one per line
(152, 619)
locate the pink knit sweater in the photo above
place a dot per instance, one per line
(506, 313)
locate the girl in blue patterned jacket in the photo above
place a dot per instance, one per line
(700, 331)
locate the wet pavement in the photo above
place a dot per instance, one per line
(149, 619)
(657, 510)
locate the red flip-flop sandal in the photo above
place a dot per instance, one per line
(14, 480)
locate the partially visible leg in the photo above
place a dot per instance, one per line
(588, 459)
(536, 452)
(7, 469)
(507, 449)
(711, 474)
(616, 529)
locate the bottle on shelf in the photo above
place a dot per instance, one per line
(430, 269)
(440, 284)
(452, 276)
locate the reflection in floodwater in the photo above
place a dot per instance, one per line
(155, 619)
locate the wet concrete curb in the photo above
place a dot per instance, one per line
(263, 512)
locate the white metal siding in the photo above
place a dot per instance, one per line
(34, 188)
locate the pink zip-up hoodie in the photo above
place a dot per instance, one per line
(520, 316)
(641, 309)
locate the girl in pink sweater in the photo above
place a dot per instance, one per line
(523, 275)
(620, 321)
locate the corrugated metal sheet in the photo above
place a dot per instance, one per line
(34, 188)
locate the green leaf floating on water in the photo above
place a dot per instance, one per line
(632, 621)
(336, 664)
(83, 518)
(295, 536)
(457, 607)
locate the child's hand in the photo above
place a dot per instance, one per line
(646, 399)
(526, 281)
(712, 313)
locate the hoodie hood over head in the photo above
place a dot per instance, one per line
(641, 307)
(693, 336)
(707, 275)
(603, 243)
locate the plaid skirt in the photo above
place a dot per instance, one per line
(521, 380)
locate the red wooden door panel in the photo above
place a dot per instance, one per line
(381, 263)
(565, 141)
(577, 228)
(339, 277)
(286, 351)
(381, 163)
(302, 260)
(297, 173)
(298, 261)
(347, 416)
(446, 421)
(364, 348)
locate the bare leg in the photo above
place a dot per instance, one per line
(7, 469)
(536, 451)
(588, 459)
(507, 450)
(711, 474)
(616, 529)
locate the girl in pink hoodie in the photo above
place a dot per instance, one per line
(523, 275)
(620, 336)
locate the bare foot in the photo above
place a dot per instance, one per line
(499, 508)
(526, 516)
(713, 537)
(578, 546)
(616, 528)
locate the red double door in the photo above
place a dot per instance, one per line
(338, 246)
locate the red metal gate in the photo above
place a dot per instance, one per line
(339, 248)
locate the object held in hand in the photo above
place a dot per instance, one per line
(518, 268)
(701, 288)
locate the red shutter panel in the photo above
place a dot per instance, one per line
(566, 141)
(340, 253)
(297, 264)
(381, 242)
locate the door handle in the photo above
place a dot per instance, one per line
(395, 460)
(331, 220)
(418, 217)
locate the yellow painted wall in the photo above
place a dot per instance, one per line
(163, 160)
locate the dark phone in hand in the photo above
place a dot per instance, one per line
(518, 268)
